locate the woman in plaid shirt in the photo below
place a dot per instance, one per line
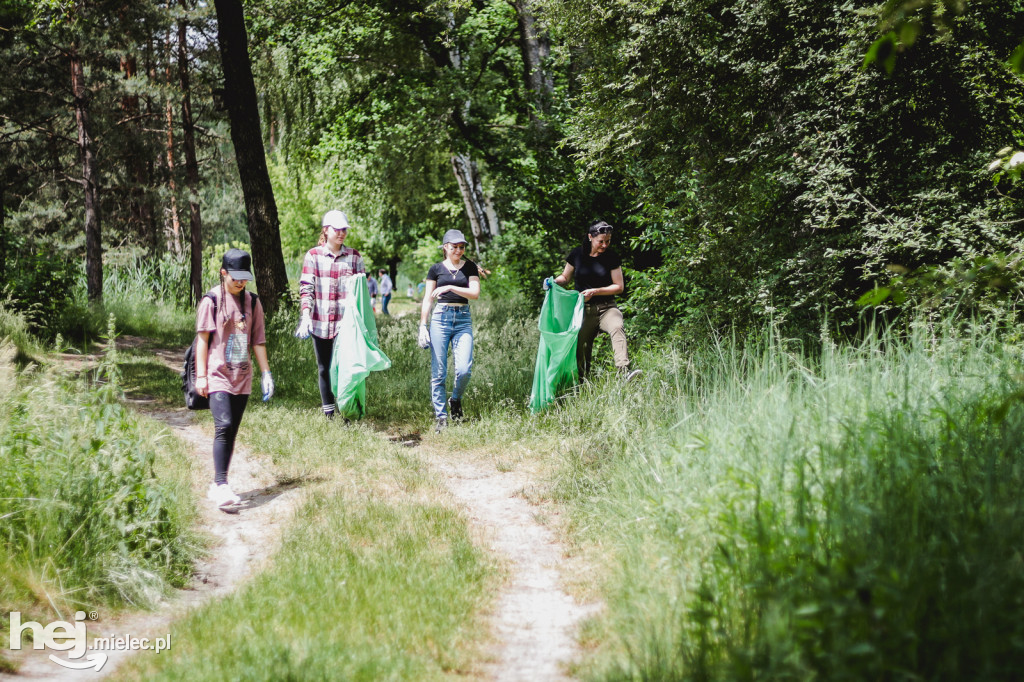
(322, 293)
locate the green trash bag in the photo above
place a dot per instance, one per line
(560, 319)
(356, 352)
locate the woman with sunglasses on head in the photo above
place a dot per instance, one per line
(322, 294)
(452, 283)
(598, 273)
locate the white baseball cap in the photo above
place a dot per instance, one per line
(335, 219)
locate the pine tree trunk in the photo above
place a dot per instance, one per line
(90, 183)
(191, 167)
(3, 231)
(243, 112)
(174, 236)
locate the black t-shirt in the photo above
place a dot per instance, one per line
(592, 272)
(440, 273)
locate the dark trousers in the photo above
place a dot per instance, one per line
(324, 349)
(227, 410)
(384, 300)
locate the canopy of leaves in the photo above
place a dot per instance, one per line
(779, 175)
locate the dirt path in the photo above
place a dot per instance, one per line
(241, 541)
(534, 619)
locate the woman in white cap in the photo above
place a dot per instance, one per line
(452, 283)
(322, 295)
(228, 323)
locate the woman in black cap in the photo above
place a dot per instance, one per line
(451, 283)
(228, 324)
(598, 273)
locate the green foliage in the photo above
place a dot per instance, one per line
(38, 284)
(778, 179)
(988, 287)
(300, 205)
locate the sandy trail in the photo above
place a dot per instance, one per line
(534, 620)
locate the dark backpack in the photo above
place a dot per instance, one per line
(193, 400)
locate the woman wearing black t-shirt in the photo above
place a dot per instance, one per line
(598, 273)
(452, 282)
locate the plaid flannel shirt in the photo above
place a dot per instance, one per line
(322, 286)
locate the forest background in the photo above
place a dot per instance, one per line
(761, 159)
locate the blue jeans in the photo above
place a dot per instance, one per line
(449, 325)
(384, 300)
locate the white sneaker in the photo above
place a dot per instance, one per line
(223, 496)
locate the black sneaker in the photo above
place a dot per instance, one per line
(455, 409)
(442, 424)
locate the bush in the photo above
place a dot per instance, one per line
(39, 286)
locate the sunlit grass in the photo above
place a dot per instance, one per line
(95, 502)
(776, 515)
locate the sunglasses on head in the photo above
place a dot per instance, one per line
(603, 229)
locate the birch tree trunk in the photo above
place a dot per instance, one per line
(483, 220)
(191, 167)
(90, 182)
(243, 111)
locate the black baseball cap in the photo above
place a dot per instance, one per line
(238, 264)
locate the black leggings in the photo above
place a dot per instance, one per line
(324, 349)
(227, 410)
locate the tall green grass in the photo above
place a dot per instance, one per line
(148, 298)
(772, 515)
(95, 506)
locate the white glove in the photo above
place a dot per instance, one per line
(268, 386)
(305, 326)
(424, 339)
(546, 284)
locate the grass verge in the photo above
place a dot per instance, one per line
(95, 504)
(771, 515)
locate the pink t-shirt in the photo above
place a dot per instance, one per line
(234, 332)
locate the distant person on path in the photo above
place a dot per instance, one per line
(451, 283)
(598, 273)
(410, 291)
(226, 327)
(322, 295)
(386, 287)
(372, 284)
